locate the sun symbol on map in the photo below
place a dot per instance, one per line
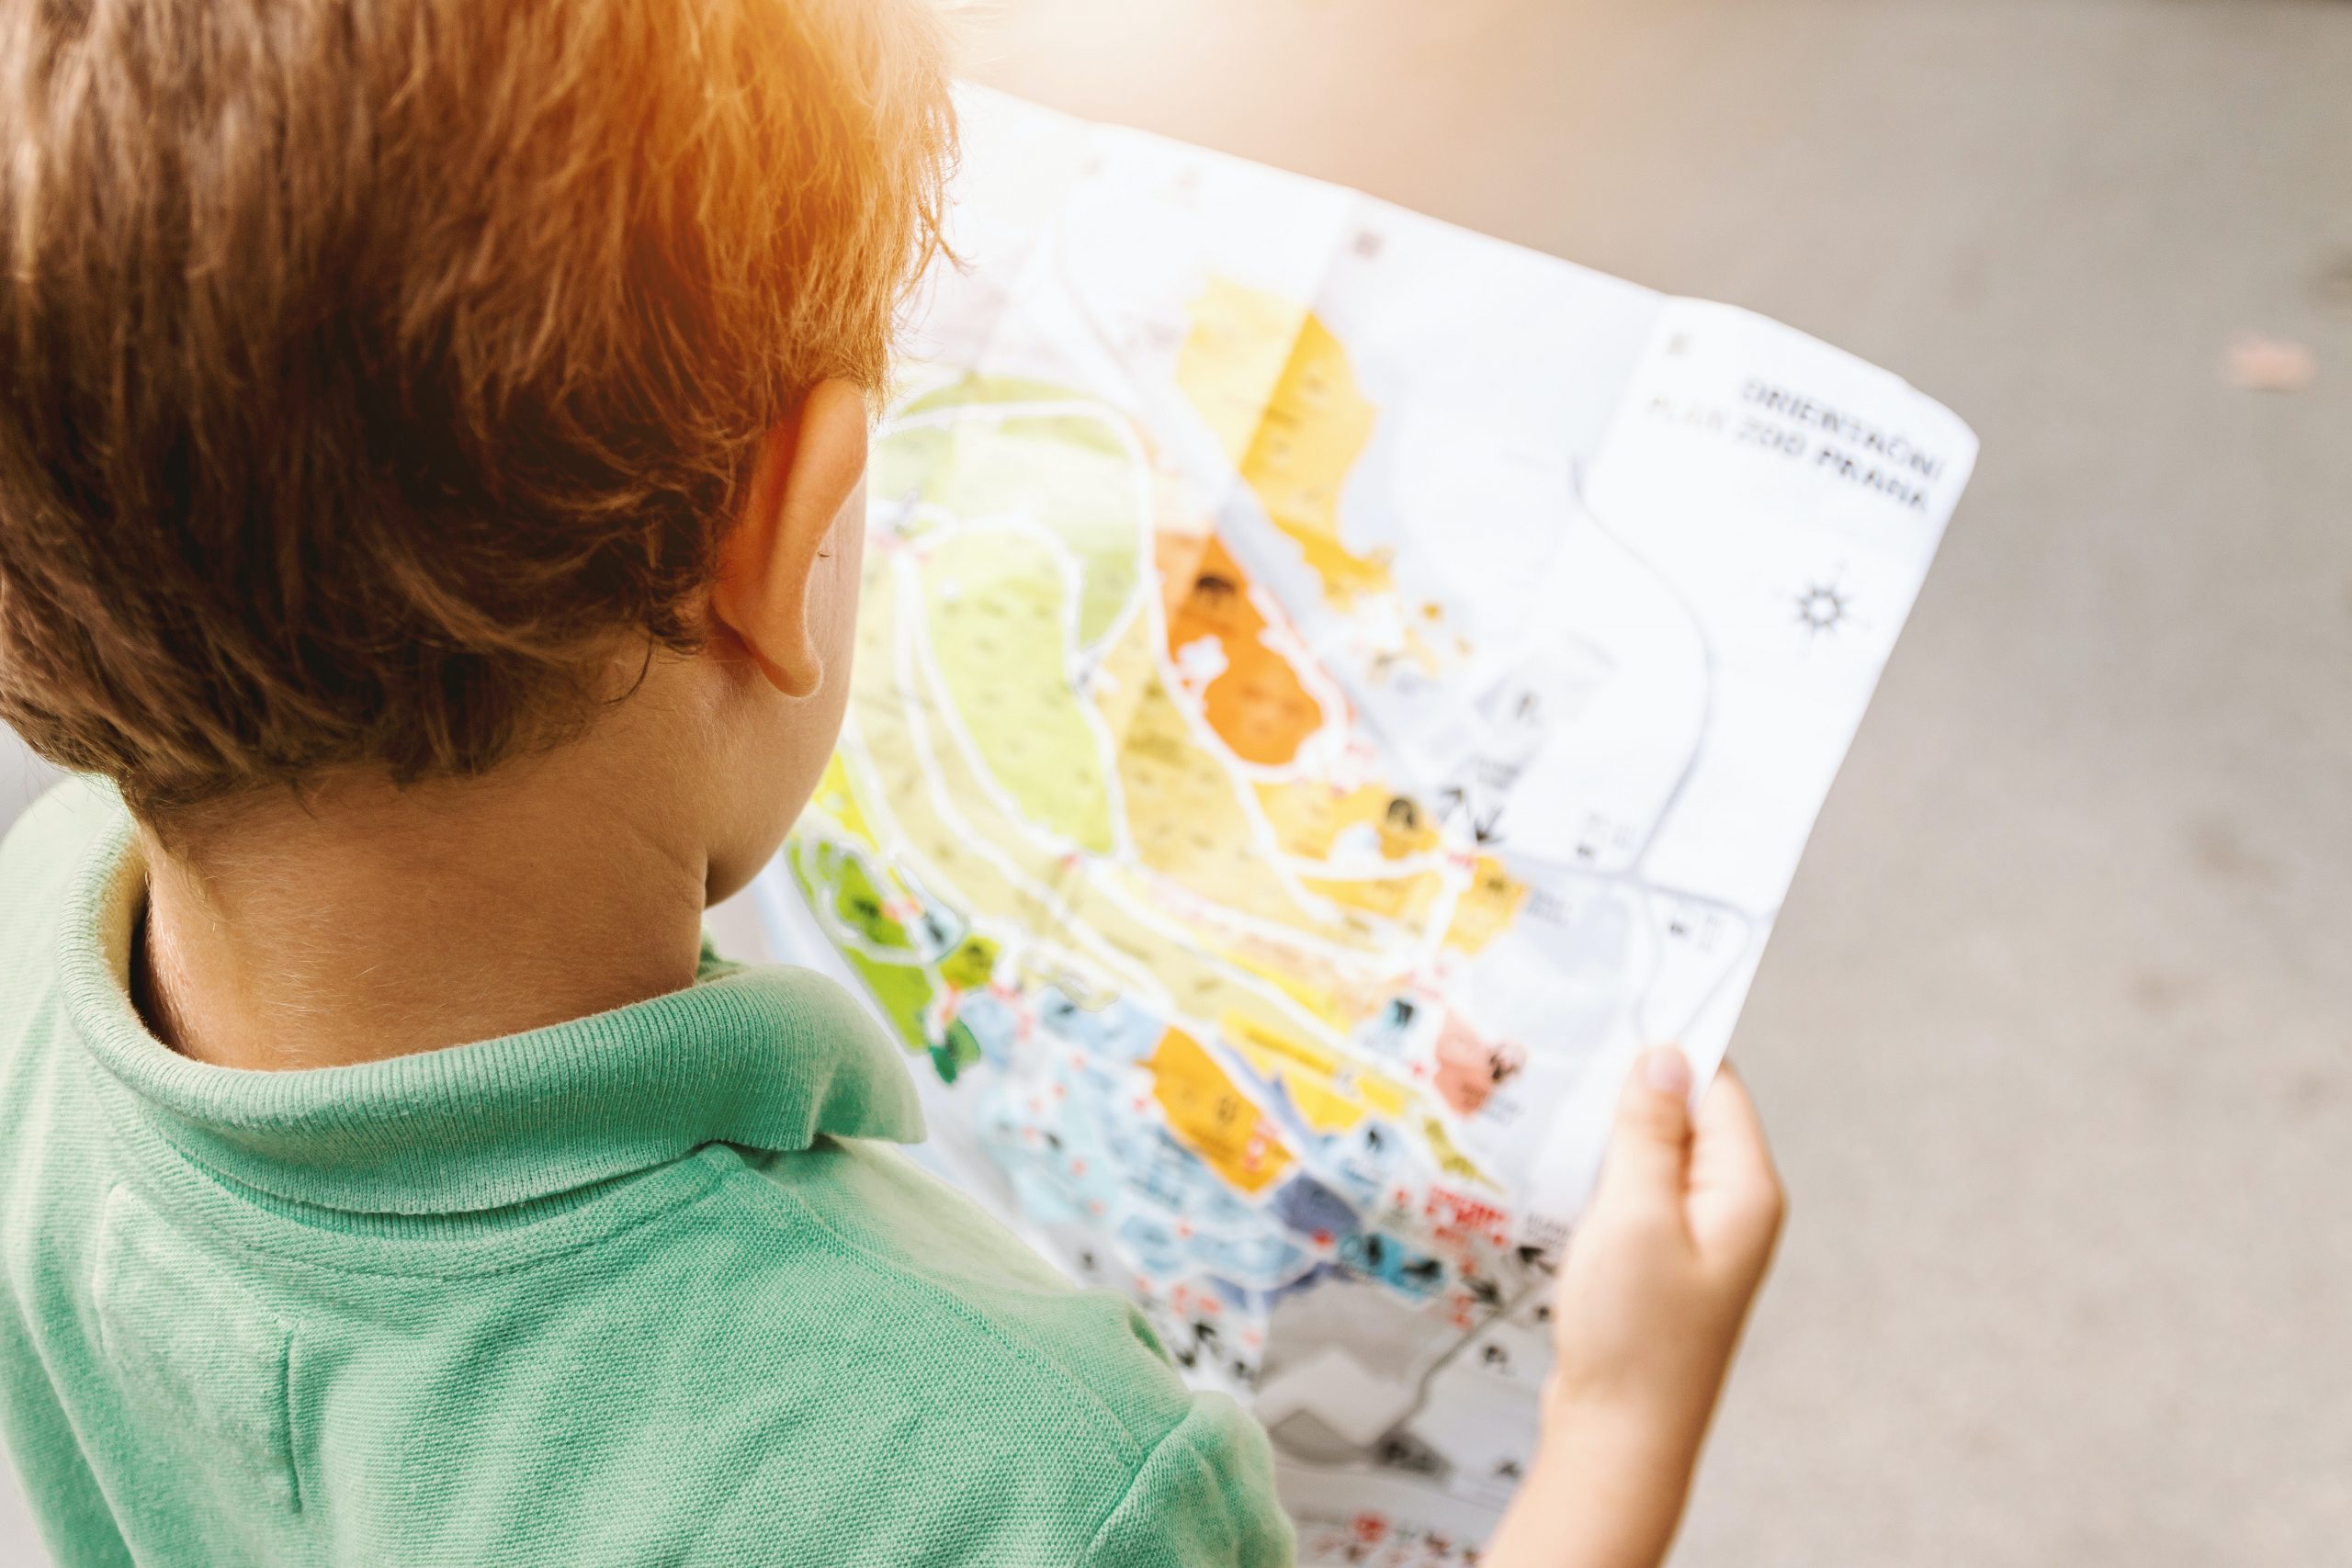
(1824, 607)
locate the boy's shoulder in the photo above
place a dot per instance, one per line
(817, 1357)
(825, 1356)
(963, 1379)
(956, 1283)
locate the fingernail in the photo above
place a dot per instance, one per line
(1666, 1069)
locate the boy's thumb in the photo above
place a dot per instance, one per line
(1649, 1150)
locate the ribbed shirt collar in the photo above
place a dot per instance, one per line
(767, 1057)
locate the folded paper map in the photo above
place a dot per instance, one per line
(1331, 689)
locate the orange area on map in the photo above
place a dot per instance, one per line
(1276, 385)
(1486, 906)
(1212, 1118)
(1256, 704)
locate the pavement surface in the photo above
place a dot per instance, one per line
(2052, 1038)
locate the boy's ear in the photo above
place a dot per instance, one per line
(807, 469)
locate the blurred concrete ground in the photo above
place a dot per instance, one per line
(2053, 1035)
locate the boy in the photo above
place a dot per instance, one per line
(431, 487)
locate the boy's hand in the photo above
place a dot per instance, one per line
(1647, 1312)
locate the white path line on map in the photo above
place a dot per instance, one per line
(1421, 862)
(1145, 913)
(941, 799)
(1369, 961)
(1154, 919)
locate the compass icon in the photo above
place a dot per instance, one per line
(1824, 607)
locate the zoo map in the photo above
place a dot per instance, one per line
(1330, 689)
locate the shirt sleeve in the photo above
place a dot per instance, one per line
(1202, 1498)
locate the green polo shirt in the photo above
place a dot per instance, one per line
(651, 1287)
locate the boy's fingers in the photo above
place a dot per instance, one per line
(1731, 1167)
(1726, 1111)
(1729, 1136)
(1650, 1148)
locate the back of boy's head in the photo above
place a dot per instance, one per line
(371, 368)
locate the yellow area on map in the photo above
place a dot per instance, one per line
(1185, 818)
(1070, 472)
(1331, 1097)
(1212, 1117)
(994, 600)
(1308, 816)
(890, 742)
(1450, 1158)
(1403, 899)
(1486, 907)
(1290, 972)
(1275, 385)
(836, 798)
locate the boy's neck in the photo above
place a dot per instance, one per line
(375, 922)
